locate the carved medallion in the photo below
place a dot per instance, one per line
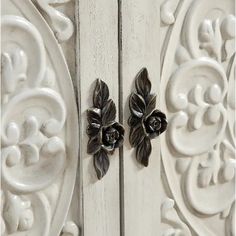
(198, 81)
(39, 147)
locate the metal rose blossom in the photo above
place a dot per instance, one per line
(145, 121)
(105, 134)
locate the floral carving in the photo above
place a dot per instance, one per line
(29, 142)
(170, 217)
(104, 133)
(14, 68)
(145, 121)
(214, 37)
(17, 213)
(199, 145)
(34, 127)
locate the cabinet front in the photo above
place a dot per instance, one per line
(118, 117)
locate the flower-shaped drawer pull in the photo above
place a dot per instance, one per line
(105, 134)
(145, 121)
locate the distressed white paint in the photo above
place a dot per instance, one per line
(38, 123)
(98, 55)
(198, 150)
(140, 35)
(151, 31)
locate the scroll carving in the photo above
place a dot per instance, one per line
(199, 146)
(70, 228)
(170, 217)
(62, 26)
(34, 120)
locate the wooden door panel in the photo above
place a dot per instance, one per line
(53, 51)
(140, 48)
(98, 56)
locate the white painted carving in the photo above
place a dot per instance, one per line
(168, 9)
(60, 23)
(17, 213)
(170, 217)
(198, 82)
(70, 229)
(14, 68)
(37, 156)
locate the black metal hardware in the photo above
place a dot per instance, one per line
(145, 121)
(105, 134)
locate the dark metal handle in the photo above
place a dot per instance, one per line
(145, 121)
(105, 134)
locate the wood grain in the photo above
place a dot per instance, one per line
(98, 59)
(140, 48)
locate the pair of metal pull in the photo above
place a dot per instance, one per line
(105, 134)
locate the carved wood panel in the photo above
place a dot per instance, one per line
(39, 122)
(198, 94)
(52, 53)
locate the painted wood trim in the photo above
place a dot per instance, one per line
(140, 48)
(98, 59)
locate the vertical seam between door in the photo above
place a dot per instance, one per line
(78, 79)
(120, 97)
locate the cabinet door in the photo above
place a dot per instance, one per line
(140, 49)
(198, 95)
(53, 52)
(98, 56)
(116, 41)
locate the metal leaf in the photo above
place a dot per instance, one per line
(94, 116)
(93, 144)
(144, 150)
(93, 129)
(142, 83)
(101, 163)
(108, 112)
(136, 135)
(137, 105)
(133, 121)
(151, 104)
(101, 94)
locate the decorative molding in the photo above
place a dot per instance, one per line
(104, 133)
(198, 149)
(14, 68)
(70, 229)
(61, 25)
(167, 11)
(35, 127)
(18, 214)
(170, 217)
(146, 122)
